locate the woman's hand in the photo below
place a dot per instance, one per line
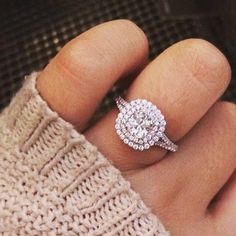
(193, 191)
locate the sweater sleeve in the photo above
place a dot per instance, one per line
(54, 182)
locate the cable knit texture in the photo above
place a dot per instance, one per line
(54, 182)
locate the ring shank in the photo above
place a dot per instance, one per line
(166, 143)
(120, 102)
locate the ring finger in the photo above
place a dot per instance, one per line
(183, 82)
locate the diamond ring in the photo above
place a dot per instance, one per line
(141, 125)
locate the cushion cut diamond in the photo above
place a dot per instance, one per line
(140, 124)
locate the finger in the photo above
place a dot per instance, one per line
(183, 82)
(76, 80)
(224, 208)
(205, 161)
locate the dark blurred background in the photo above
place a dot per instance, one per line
(33, 31)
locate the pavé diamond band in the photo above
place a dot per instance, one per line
(140, 124)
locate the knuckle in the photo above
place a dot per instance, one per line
(207, 63)
(130, 26)
(228, 109)
(82, 58)
(131, 29)
(227, 114)
(92, 51)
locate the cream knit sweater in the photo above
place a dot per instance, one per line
(54, 182)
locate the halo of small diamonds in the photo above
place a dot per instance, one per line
(140, 124)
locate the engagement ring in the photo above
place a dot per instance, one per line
(141, 125)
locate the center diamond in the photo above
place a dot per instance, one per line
(140, 124)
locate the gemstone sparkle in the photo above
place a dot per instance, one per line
(140, 123)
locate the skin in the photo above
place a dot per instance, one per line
(193, 191)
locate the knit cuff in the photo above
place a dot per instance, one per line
(93, 197)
